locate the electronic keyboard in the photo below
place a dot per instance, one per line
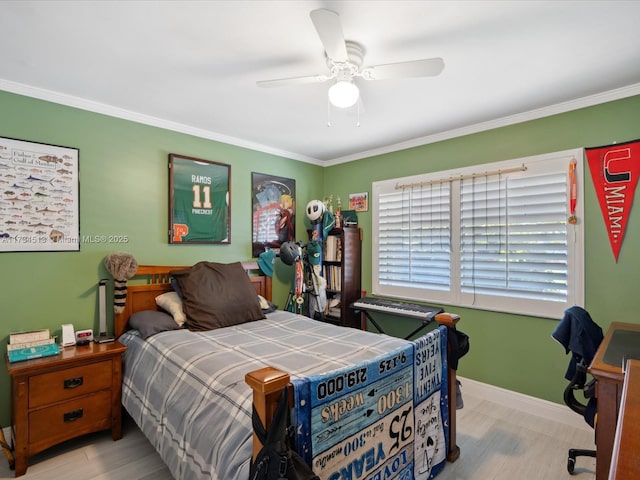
(397, 307)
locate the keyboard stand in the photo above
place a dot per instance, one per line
(367, 315)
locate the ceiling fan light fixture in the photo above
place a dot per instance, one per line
(343, 94)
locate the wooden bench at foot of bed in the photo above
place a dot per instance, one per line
(268, 383)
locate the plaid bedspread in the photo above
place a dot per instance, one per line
(186, 390)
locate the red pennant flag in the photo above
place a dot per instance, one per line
(614, 170)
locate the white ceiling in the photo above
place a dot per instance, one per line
(192, 66)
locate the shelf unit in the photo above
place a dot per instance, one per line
(343, 273)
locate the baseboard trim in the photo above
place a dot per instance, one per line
(535, 406)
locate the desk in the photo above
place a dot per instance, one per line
(610, 379)
(625, 462)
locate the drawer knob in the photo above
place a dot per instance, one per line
(73, 382)
(73, 415)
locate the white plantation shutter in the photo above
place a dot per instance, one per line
(493, 237)
(414, 238)
(514, 236)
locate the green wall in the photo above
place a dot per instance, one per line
(511, 351)
(123, 191)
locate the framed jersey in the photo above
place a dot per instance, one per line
(199, 201)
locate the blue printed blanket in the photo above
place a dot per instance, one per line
(380, 419)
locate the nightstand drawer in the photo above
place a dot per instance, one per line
(69, 383)
(67, 420)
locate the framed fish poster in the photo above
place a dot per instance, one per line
(273, 218)
(39, 199)
(199, 201)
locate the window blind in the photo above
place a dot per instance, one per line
(414, 239)
(514, 236)
(493, 236)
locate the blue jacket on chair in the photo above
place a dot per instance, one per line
(581, 336)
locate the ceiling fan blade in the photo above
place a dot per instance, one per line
(329, 28)
(283, 82)
(417, 68)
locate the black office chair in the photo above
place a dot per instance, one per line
(581, 336)
(588, 410)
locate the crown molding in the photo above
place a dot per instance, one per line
(617, 94)
(110, 110)
(102, 108)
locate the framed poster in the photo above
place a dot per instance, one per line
(359, 201)
(39, 199)
(274, 215)
(199, 201)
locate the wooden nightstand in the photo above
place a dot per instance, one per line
(57, 398)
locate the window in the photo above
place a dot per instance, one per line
(494, 236)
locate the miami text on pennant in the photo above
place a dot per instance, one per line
(614, 170)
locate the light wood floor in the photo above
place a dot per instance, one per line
(505, 436)
(502, 436)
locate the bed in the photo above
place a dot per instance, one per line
(191, 392)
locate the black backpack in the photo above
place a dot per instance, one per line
(276, 460)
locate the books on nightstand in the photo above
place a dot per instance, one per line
(32, 344)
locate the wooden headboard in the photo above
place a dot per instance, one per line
(143, 296)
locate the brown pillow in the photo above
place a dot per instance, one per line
(216, 295)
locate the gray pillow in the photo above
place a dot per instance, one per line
(150, 322)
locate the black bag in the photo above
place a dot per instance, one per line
(276, 460)
(458, 344)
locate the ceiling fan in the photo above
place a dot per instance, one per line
(345, 63)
